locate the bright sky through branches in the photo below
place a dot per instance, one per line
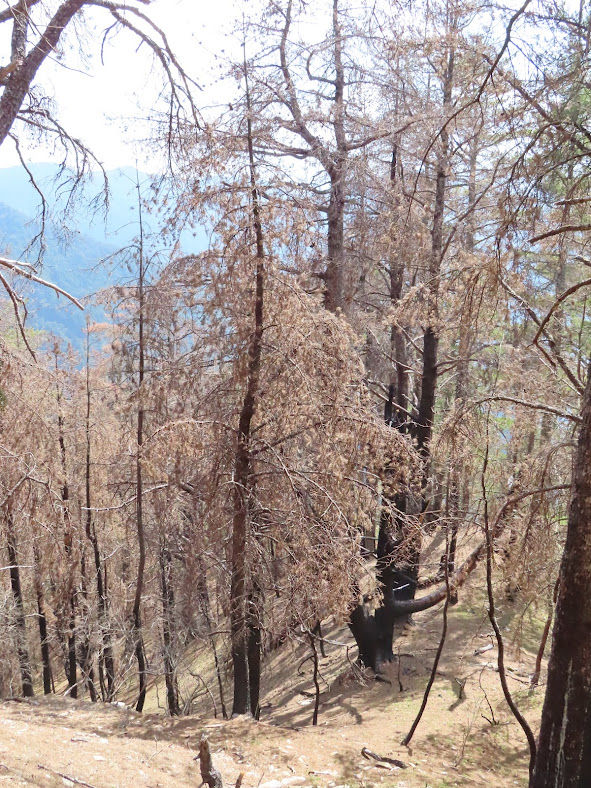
(105, 104)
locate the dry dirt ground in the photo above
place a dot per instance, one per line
(467, 736)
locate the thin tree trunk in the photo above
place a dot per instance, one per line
(137, 603)
(85, 648)
(493, 620)
(544, 639)
(68, 544)
(254, 648)
(315, 678)
(172, 690)
(206, 609)
(41, 618)
(407, 739)
(21, 623)
(317, 632)
(457, 470)
(106, 664)
(108, 649)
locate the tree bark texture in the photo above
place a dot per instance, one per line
(239, 586)
(20, 80)
(564, 746)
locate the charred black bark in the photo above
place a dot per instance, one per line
(85, 650)
(239, 588)
(317, 631)
(103, 592)
(172, 690)
(374, 632)
(71, 667)
(42, 620)
(21, 624)
(140, 653)
(564, 746)
(106, 665)
(364, 629)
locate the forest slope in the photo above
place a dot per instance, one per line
(465, 739)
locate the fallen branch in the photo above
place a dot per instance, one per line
(74, 780)
(534, 405)
(367, 753)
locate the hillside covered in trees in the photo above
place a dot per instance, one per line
(339, 375)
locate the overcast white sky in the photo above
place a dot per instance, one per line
(105, 104)
(98, 105)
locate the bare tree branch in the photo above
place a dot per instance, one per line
(16, 266)
(566, 228)
(535, 405)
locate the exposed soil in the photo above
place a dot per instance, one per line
(467, 736)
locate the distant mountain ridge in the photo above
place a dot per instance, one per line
(75, 268)
(87, 217)
(78, 235)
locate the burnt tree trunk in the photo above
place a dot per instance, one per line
(106, 665)
(422, 429)
(140, 653)
(85, 649)
(205, 605)
(172, 690)
(21, 624)
(103, 594)
(239, 586)
(399, 545)
(564, 746)
(42, 620)
(71, 667)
